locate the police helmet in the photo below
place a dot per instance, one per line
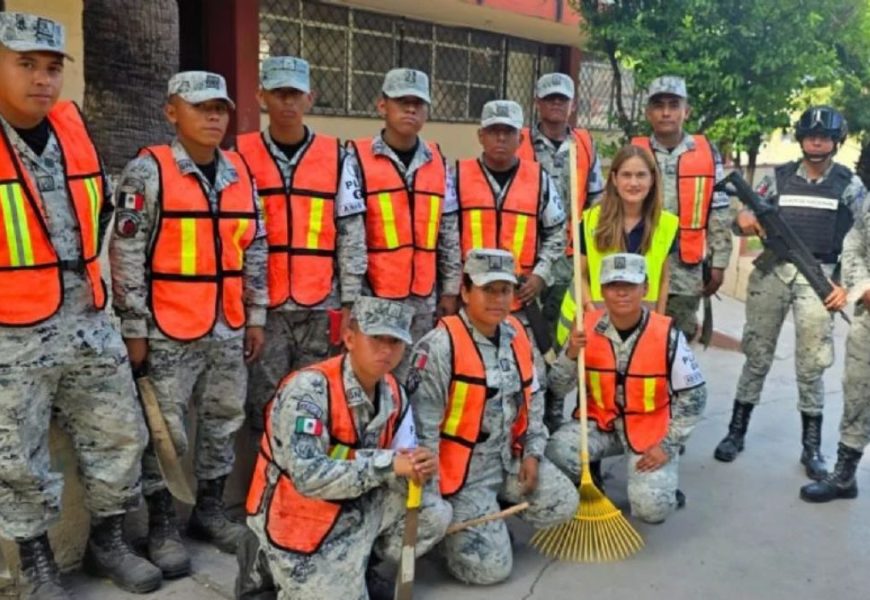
(821, 120)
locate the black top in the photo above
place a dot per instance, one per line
(35, 137)
(290, 150)
(502, 177)
(406, 156)
(209, 171)
(626, 333)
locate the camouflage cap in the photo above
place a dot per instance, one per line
(668, 84)
(554, 83)
(199, 86)
(407, 82)
(23, 32)
(630, 268)
(501, 112)
(285, 72)
(378, 316)
(485, 265)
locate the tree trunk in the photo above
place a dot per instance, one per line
(862, 167)
(750, 167)
(131, 51)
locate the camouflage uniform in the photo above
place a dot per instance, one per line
(652, 495)
(686, 281)
(73, 366)
(373, 498)
(483, 554)
(297, 336)
(769, 296)
(211, 370)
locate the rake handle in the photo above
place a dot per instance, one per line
(487, 518)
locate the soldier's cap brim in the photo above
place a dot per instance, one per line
(393, 332)
(481, 279)
(288, 83)
(499, 121)
(550, 94)
(200, 96)
(634, 278)
(34, 47)
(674, 94)
(402, 92)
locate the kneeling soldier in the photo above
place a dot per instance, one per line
(477, 402)
(644, 390)
(329, 486)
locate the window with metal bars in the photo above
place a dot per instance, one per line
(350, 50)
(596, 95)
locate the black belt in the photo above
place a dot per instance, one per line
(77, 266)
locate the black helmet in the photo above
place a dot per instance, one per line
(824, 120)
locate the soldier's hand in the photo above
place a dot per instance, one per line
(865, 299)
(530, 288)
(529, 475)
(836, 300)
(403, 466)
(575, 342)
(748, 223)
(447, 305)
(425, 463)
(137, 349)
(716, 278)
(653, 459)
(255, 337)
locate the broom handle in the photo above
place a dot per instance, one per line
(578, 297)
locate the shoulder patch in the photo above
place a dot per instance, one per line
(307, 405)
(309, 426)
(127, 223)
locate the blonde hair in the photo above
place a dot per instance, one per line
(610, 230)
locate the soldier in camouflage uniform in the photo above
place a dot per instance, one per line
(855, 424)
(405, 104)
(338, 450)
(624, 334)
(59, 354)
(819, 199)
(667, 109)
(302, 320)
(190, 289)
(487, 423)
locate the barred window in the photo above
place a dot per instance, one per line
(596, 93)
(350, 50)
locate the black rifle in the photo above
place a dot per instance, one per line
(779, 237)
(540, 328)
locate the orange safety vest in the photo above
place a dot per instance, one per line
(647, 410)
(696, 175)
(585, 157)
(295, 522)
(300, 220)
(466, 399)
(197, 257)
(31, 278)
(401, 224)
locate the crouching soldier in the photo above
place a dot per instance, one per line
(477, 402)
(644, 390)
(329, 487)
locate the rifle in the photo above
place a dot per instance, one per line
(540, 328)
(779, 237)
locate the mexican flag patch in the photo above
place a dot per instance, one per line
(309, 426)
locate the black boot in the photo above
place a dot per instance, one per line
(165, 548)
(839, 484)
(109, 555)
(732, 444)
(681, 499)
(378, 586)
(811, 457)
(40, 570)
(209, 521)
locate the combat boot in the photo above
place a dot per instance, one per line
(732, 444)
(209, 521)
(839, 484)
(40, 570)
(109, 555)
(811, 457)
(165, 548)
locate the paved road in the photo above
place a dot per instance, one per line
(743, 535)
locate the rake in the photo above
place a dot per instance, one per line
(598, 532)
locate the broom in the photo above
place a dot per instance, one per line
(598, 532)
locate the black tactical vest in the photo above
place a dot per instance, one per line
(814, 210)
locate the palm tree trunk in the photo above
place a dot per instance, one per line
(131, 51)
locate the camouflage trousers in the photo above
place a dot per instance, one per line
(294, 339)
(374, 522)
(92, 397)
(421, 324)
(652, 495)
(553, 406)
(767, 304)
(210, 375)
(684, 311)
(483, 554)
(855, 426)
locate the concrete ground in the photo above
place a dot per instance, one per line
(744, 533)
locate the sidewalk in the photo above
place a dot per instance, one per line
(744, 533)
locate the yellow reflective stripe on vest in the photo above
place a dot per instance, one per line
(15, 223)
(476, 228)
(188, 246)
(315, 224)
(385, 201)
(567, 314)
(94, 203)
(432, 231)
(595, 388)
(699, 201)
(241, 229)
(649, 394)
(339, 452)
(519, 238)
(457, 407)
